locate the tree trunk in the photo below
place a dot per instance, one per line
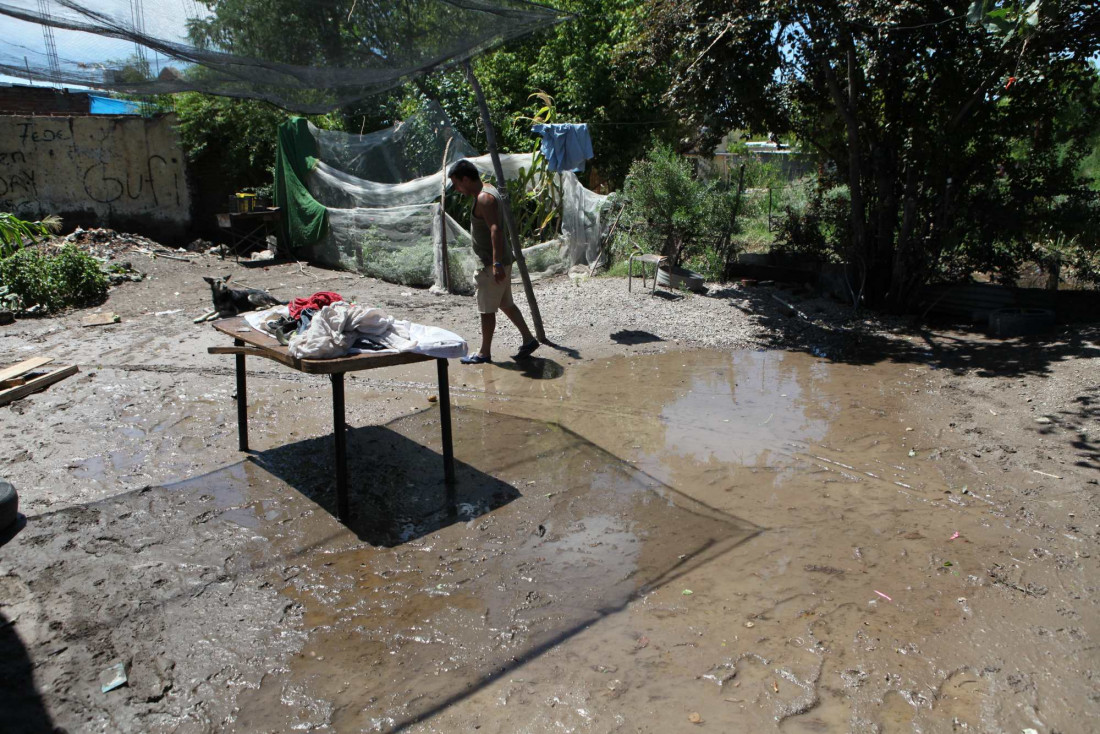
(1054, 271)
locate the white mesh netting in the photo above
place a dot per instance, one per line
(384, 216)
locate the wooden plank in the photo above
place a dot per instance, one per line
(100, 319)
(12, 382)
(15, 393)
(25, 366)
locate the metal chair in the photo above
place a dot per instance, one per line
(643, 258)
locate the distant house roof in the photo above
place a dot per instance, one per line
(21, 99)
(112, 106)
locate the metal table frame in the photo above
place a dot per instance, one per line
(249, 341)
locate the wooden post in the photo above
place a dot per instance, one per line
(446, 270)
(509, 220)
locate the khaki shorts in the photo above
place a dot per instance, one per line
(492, 295)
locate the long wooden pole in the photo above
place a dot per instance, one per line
(446, 264)
(509, 220)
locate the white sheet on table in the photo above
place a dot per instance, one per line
(397, 335)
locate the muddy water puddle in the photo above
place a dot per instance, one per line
(748, 541)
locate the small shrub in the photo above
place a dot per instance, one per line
(53, 282)
(820, 228)
(667, 204)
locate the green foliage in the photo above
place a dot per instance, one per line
(14, 232)
(667, 204)
(534, 194)
(956, 139)
(232, 139)
(53, 282)
(594, 69)
(591, 65)
(671, 212)
(819, 228)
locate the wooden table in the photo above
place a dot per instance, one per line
(249, 341)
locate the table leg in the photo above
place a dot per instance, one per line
(445, 424)
(339, 433)
(242, 400)
(630, 273)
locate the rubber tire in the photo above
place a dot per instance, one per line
(9, 504)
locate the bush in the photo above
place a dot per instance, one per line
(53, 282)
(666, 201)
(672, 212)
(820, 228)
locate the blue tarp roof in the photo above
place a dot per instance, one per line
(111, 106)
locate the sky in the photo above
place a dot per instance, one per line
(20, 39)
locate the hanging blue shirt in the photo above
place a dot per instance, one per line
(566, 146)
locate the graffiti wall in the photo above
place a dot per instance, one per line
(121, 172)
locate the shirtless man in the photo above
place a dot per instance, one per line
(494, 279)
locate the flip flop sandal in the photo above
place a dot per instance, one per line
(526, 350)
(476, 359)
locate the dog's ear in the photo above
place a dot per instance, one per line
(208, 279)
(226, 278)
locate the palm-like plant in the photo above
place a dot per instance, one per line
(14, 232)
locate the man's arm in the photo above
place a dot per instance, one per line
(490, 213)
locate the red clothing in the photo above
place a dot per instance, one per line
(318, 300)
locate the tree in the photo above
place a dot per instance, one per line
(938, 116)
(590, 64)
(592, 67)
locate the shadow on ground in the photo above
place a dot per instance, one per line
(21, 704)
(588, 534)
(396, 491)
(534, 368)
(634, 336)
(858, 339)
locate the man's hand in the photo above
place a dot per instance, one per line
(498, 272)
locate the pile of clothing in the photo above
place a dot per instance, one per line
(324, 326)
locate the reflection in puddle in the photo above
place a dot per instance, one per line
(735, 412)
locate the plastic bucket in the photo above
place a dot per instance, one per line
(677, 278)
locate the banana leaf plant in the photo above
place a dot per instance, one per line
(14, 232)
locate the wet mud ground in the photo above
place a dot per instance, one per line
(648, 538)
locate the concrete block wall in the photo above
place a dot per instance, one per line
(127, 173)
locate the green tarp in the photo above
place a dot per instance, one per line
(304, 219)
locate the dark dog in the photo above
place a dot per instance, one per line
(231, 301)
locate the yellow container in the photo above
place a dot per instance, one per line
(245, 202)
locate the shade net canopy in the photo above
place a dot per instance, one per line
(307, 56)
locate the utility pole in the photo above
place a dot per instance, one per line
(509, 220)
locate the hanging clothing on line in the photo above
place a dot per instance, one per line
(318, 300)
(566, 146)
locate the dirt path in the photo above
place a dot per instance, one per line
(823, 525)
